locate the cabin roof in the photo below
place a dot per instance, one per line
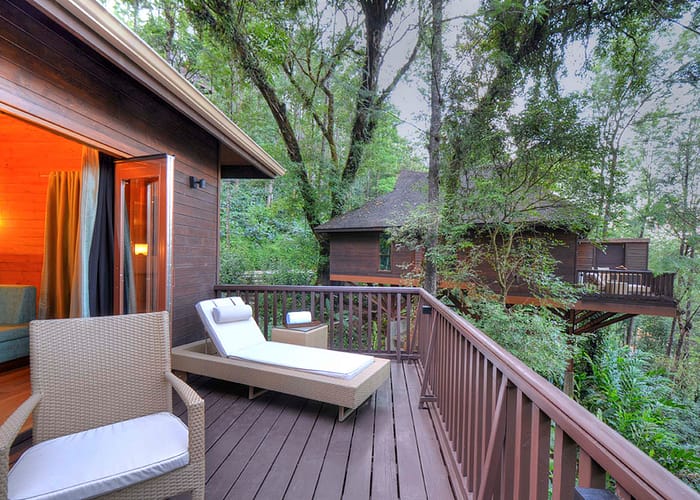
(411, 191)
(389, 210)
(92, 23)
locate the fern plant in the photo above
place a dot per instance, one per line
(621, 390)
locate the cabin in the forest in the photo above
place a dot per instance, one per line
(615, 271)
(360, 250)
(87, 107)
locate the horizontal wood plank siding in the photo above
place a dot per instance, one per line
(48, 74)
(584, 255)
(357, 254)
(565, 255)
(637, 256)
(27, 155)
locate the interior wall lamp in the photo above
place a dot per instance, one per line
(197, 183)
(140, 248)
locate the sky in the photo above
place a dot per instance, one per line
(413, 105)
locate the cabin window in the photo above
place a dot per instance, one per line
(384, 252)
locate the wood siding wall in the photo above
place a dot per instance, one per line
(585, 255)
(357, 255)
(47, 73)
(27, 155)
(635, 254)
(564, 254)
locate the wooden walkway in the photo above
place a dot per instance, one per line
(280, 446)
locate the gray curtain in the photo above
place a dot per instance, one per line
(101, 264)
(80, 293)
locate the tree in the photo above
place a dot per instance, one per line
(520, 185)
(623, 84)
(317, 51)
(436, 104)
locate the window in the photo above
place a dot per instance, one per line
(384, 252)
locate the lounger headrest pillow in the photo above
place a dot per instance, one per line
(298, 317)
(231, 313)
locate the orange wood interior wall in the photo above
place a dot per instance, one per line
(27, 155)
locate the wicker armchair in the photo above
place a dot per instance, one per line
(92, 372)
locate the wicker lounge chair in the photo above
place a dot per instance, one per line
(102, 403)
(238, 352)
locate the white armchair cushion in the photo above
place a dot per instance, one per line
(100, 460)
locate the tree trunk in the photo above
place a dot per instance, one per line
(684, 328)
(669, 345)
(629, 338)
(323, 267)
(436, 49)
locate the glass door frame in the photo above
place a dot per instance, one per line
(163, 167)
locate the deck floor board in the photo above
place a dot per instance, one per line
(282, 447)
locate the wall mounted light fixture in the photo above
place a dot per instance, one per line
(197, 183)
(140, 248)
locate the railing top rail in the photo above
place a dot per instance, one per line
(608, 448)
(621, 271)
(314, 288)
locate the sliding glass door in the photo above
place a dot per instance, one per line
(143, 222)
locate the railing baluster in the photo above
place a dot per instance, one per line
(470, 396)
(478, 402)
(521, 447)
(564, 476)
(342, 320)
(460, 400)
(590, 474)
(397, 331)
(510, 439)
(539, 455)
(622, 494)
(494, 446)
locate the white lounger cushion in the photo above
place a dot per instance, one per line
(77, 465)
(310, 359)
(244, 340)
(228, 338)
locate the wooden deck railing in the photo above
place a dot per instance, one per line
(504, 430)
(376, 320)
(630, 284)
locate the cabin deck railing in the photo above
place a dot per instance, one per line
(505, 431)
(627, 283)
(374, 320)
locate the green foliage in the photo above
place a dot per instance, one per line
(261, 241)
(619, 387)
(384, 158)
(534, 335)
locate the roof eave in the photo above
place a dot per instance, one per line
(93, 24)
(374, 229)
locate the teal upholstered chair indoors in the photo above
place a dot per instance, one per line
(17, 309)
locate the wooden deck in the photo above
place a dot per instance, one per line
(280, 446)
